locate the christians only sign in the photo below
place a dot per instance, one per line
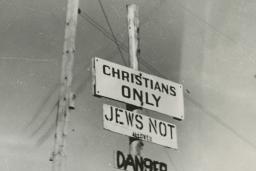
(137, 88)
(139, 126)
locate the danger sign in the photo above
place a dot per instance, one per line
(137, 88)
(139, 126)
(137, 163)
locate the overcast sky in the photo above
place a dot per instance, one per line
(208, 46)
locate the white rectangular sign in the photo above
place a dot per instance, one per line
(137, 88)
(139, 126)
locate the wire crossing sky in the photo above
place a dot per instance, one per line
(207, 46)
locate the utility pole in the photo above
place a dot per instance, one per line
(66, 97)
(135, 145)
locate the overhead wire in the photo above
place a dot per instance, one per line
(44, 103)
(50, 130)
(125, 48)
(221, 122)
(112, 32)
(116, 41)
(151, 67)
(215, 118)
(148, 65)
(212, 27)
(86, 17)
(45, 120)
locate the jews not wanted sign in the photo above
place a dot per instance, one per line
(139, 126)
(137, 88)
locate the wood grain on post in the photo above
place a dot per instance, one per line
(58, 156)
(135, 145)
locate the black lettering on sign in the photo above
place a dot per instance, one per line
(147, 99)
(173, 92)
(134, 119)
(126, 92)
(116, 73)
(105, 67)
(156, 99)
(163, 167)
(138, 95)
(117, 110)
(142, 136)
(110, 118)
(171, 127)
(157, 87)
(142, 96)
(115, 115)
(148, 164)
(138, 80)
(162, 129)
(129, 118)
(125, 76)
(152, 125)
(159, 127)
(165, 88)
(139, 124)
(129, 162)
(138, 163)
(154, 165)
(146, 81)
(120, 159)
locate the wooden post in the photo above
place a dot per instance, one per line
(135, 145)
(65, 104)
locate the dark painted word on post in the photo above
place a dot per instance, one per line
(138, 163)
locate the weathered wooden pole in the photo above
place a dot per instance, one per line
(135, 145)
(66, 96)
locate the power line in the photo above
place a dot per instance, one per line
(86, 17)
(40, 126)
(211, 26)
(152, 68)
(121, 45)
(218, 120)
(112, 32)
(222, 123)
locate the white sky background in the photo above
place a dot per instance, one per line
(206, 45)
